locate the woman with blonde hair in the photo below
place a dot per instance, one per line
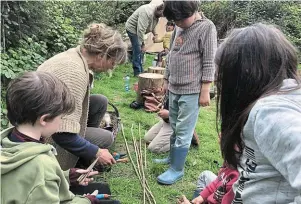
(100, 49)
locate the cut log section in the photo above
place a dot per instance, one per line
(148, 81)
(156, 70)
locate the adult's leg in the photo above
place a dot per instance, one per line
(153, 132)
(136, 53)
(205, 178)
(97, 109)
(161, 143)
(100, 137)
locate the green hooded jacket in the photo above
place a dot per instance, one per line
(30, 173)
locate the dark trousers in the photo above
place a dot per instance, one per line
(137, 55)
(103, 188)
(94, 134)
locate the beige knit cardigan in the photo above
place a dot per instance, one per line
(72, 68)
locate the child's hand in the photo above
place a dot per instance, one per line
(198, 200)
(87, 180)
(163, 113)
(143, 48)
(92, 197)
(183, 200)
(155, 38)
(165, 86)
(204, 99)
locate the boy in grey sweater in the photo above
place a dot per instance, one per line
(189, 73)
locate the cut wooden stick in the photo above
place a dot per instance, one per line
(83, 176)
(123, 160)
(136, 150)
(142, 170)
(141, 165)
(133, 164)
(145, 152)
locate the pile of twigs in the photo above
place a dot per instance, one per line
(140, 165)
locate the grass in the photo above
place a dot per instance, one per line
(122, 179)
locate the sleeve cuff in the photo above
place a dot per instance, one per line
(205, 194)
(91, 154)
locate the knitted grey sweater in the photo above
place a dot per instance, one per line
(191, 57)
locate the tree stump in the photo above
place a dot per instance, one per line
(148, 81)
(156, 70)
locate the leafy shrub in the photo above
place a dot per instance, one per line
(27, 57)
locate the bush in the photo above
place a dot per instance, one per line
(27, 57)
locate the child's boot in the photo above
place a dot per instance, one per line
(164, 160)
(176, 169)
(167, 159)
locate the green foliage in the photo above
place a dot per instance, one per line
(20, 20)
(227, 15)
(27, 57)
(60, 35)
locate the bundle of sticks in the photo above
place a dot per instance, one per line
(140, 165)
(163, 101)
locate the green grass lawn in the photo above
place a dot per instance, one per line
(122, 179)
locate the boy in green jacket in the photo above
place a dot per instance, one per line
(30, 173)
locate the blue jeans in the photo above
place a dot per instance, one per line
(137, 56)
(183, 115)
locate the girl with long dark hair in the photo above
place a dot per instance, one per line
(259, 109)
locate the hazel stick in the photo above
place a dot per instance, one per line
(135, 148)
(145, 153)
(141, 165)
(132, 162)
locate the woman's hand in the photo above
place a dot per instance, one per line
(104, 157)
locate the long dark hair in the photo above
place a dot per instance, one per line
(252, 63)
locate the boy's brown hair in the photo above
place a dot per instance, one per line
(34, 94)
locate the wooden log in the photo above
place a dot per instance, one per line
(156, 70)
(148, 81)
